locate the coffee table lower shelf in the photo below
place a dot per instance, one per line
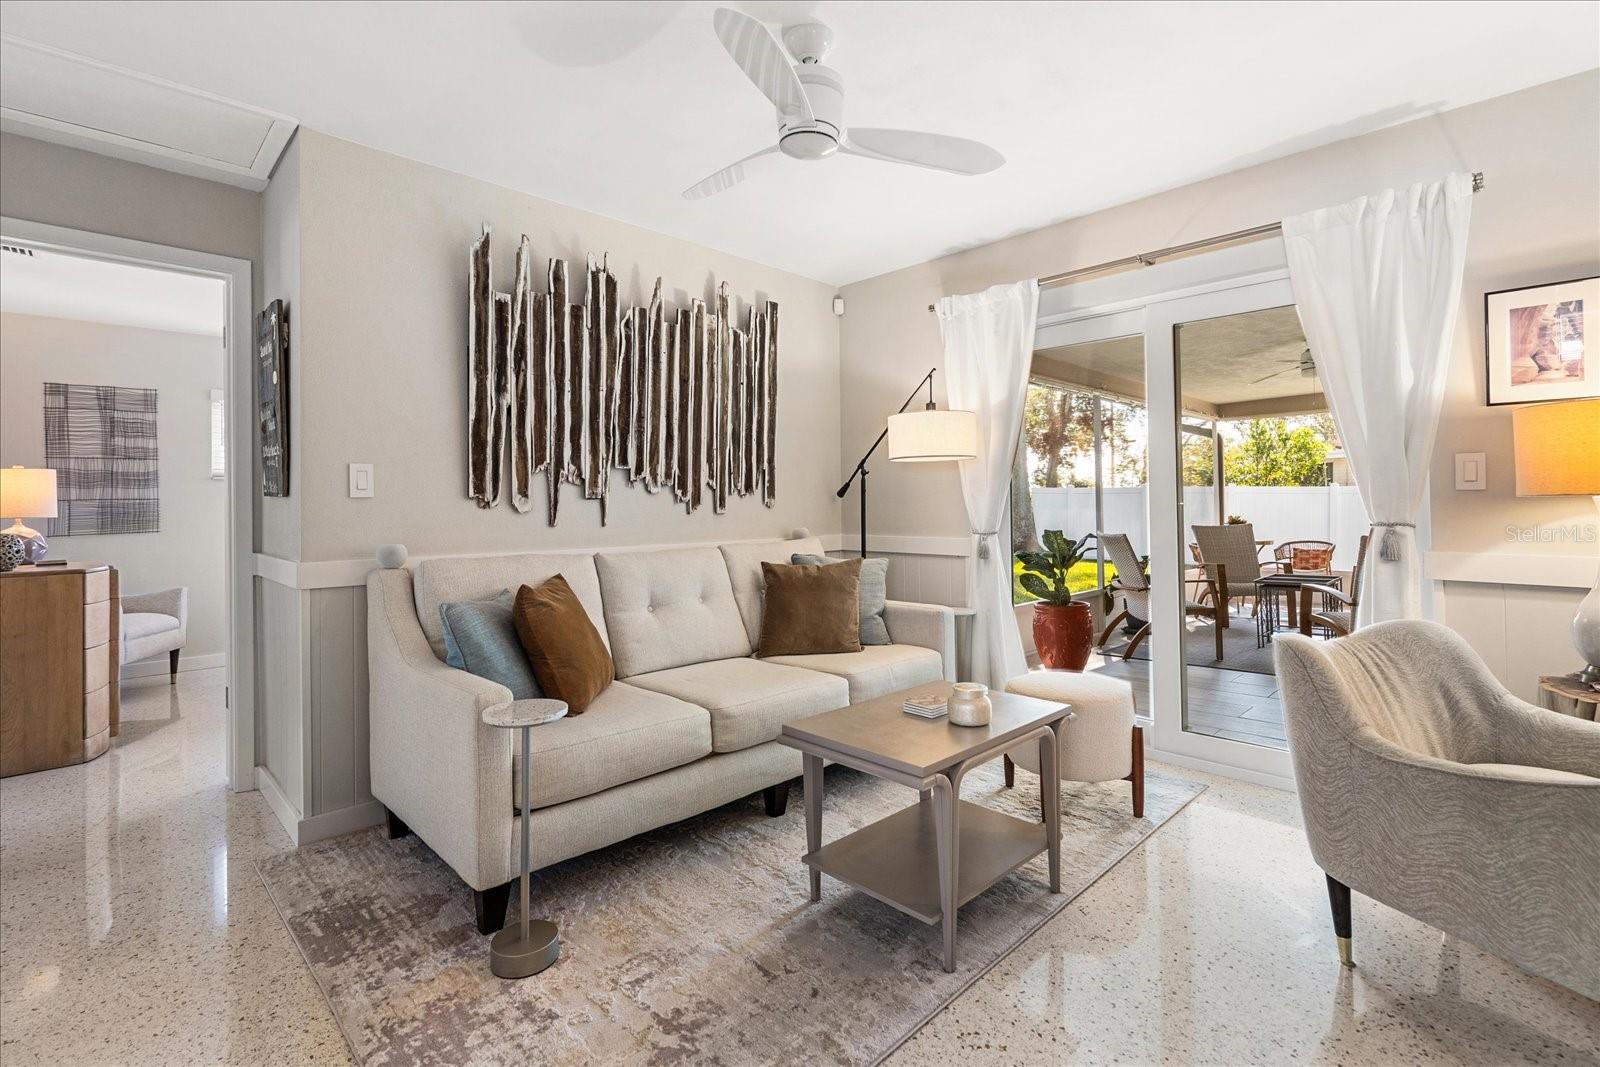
(896, 859)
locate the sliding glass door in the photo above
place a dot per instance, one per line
(1224, 375)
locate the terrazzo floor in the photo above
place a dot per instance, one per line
(133, 929)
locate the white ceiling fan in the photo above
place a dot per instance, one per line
(1302, 365)
(810, 102)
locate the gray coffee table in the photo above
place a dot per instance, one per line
(932, 857)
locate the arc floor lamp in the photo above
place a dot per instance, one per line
(926, 436)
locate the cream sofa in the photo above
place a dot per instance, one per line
(690, 723)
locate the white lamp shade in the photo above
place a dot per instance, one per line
(27, 493)
(929, 436)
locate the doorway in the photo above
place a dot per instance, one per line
(224, 434)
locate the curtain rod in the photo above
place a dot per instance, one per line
(1148, 259)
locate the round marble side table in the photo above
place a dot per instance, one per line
(531, 945)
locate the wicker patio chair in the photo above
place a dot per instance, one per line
(1134, 588)
(1228, 554)
(1339, 622)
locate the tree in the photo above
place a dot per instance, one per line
(1058, 426)
(1274, 453)
(1024, 535)
(1199, 459)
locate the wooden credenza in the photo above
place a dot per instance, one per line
(58, 665)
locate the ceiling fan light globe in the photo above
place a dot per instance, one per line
(808, 144)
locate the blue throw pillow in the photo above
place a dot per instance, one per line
(481, 638)
(874, 592)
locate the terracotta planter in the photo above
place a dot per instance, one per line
(1063, 634)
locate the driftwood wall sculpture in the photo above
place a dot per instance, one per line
(685, 402)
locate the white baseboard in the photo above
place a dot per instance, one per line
(340, 821)
(302, 830)
(278, 801)
(151, 667)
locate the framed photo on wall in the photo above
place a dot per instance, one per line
(1542, 342)
(272, 397)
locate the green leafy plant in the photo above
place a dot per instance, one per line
(1046, 574)
(1237, 520)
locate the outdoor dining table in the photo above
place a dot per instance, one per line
(1268, 588)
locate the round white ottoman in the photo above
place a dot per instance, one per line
(1100, 743)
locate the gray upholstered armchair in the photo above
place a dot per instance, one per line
(1427, 786)
(153, 623)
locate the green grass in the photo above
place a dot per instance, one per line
(1080, 578)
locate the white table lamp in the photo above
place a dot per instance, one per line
(28, 493)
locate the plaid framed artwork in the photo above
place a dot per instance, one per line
(101, 442)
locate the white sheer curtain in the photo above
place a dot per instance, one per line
(1378, 284)
(988, 349)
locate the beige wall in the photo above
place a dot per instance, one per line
(280, 280)
(382, 361)
(1537, 220)
(183, 368)
(61, 186)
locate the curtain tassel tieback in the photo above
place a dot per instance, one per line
(1389, 547)
(984, 537)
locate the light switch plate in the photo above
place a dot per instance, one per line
(360, 480)
(1472, 471)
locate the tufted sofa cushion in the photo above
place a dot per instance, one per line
(441, 581)
(744, 561)
(665, 609)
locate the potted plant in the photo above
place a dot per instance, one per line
(1063, 629)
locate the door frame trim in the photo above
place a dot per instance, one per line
(237, 375)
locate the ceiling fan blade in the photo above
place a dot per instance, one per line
(724, 179)
(1276, 373)
(957, 155)
(764, 62)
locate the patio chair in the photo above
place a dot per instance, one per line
(1134, 587)
(1338, 622)
(1283, 553)
(1228, 554)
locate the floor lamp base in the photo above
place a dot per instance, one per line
(512, 957)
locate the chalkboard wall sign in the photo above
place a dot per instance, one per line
(272, 397)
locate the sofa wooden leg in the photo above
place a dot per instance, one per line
(172, 665)
(397, 828)
(1011, 772)
(490, 906)
(1339, 901)
(776, 798)
(1137, 776)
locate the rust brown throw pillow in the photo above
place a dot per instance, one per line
(810, 609)
(568, 658)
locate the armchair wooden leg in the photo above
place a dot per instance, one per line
(1339, 901)
(1011, 772)
(1138, 639)
(172, 672)
(489, 907)
(1137, 776)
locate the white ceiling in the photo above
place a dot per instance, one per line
(617, 107)
(119, 294)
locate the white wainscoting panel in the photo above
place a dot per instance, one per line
(1521, 631)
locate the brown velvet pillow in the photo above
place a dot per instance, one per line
(568, 658)
(810, 609)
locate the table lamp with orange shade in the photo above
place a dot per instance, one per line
(1558, 454)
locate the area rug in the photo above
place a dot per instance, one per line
(695, 943)
(1239, 651)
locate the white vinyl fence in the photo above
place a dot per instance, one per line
(1310, 513)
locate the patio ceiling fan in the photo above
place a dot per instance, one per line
(1302, 364)
(810, 102)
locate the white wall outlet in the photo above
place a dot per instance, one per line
(1472, 471)
(360, 480)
